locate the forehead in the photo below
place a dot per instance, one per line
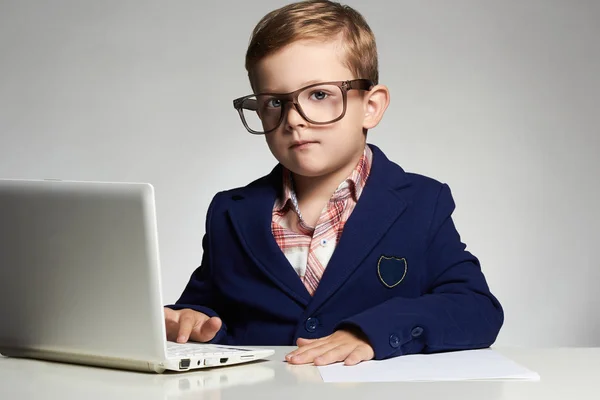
(301, 63)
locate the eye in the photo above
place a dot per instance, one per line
(319, 95)
(273, 103)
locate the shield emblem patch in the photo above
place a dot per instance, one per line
(391, 270)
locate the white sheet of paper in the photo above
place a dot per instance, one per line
(485, 364)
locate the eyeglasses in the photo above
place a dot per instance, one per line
(319, 104)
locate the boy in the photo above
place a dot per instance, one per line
(337, 250)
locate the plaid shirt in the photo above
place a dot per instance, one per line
(309, 249)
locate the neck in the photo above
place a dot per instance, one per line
(322, 187)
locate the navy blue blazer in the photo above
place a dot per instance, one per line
(399, 272)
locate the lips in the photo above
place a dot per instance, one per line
(302, 143)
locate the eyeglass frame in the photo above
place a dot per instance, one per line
(292, 97)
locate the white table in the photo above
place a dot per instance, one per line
(566, 373)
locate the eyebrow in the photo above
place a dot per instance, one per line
(307, 83)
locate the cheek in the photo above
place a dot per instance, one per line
(274, 143)
(353, 117)
(355, 113)
(271, 139)
(351, 126)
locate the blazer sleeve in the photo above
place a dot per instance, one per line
(200, 293)
(457, 311)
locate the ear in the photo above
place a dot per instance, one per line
(376, 102)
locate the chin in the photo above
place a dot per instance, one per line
(308, 171)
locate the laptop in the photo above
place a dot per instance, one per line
(80, 279)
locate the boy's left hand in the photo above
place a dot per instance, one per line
(346, 346)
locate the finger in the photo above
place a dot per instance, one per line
(169, 313)
(186, 324)
(172, 329)
(336, 354)
(309, 355)
(361, 353)
(171, 323)
(207, 329)
(305, 344)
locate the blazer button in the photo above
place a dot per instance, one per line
(416, 332)
(394, 341)
(311, 324)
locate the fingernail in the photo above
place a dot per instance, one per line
(181, 339)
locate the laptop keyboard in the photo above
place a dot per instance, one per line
(189, 350)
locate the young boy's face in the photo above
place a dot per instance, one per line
(307, 149)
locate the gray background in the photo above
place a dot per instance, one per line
(498, 99)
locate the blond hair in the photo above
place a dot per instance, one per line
(316, 20)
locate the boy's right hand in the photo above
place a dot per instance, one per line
(187, 324)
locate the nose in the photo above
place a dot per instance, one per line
(292, 117)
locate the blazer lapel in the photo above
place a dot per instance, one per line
(377, 209)
(251, 216)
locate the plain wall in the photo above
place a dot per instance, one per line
(498, 99)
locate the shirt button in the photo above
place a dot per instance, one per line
(311, 324)
(394, 341)
(323, 242)
(416, 332)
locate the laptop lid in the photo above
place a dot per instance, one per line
(79, 270)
